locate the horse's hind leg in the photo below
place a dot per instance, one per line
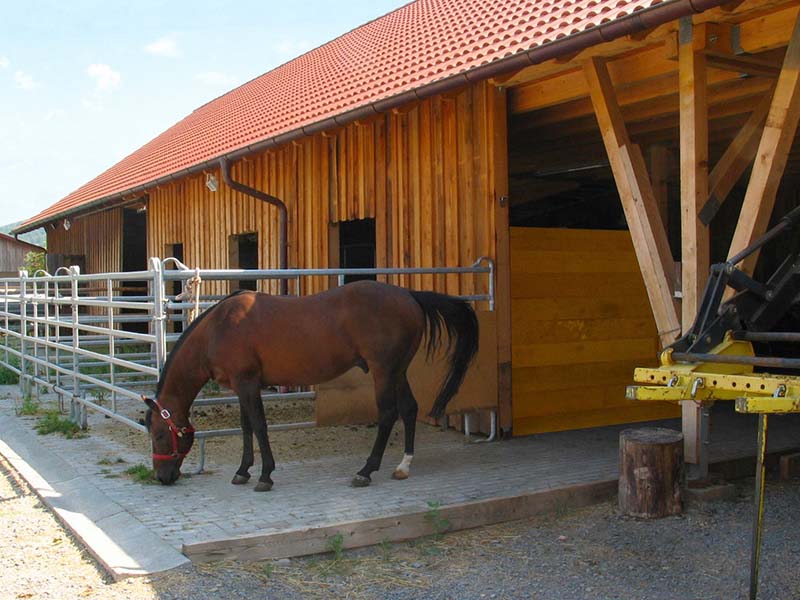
(243, 474)
(385, 390)
(250, 399)
(407, 406)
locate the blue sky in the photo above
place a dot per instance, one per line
(84, 83)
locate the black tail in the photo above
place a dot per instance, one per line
(461, 324)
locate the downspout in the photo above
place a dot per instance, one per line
(283, 243)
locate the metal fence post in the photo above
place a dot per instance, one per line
(74, 407)
(159, 313)
(23, 329)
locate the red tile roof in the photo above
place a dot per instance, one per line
(423, 42)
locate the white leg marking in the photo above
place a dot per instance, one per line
(405, 464)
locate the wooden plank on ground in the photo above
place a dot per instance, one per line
(355, 534)
(772, 154)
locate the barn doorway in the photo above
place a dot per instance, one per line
(243, 254)
(134, 258)
(581, 318)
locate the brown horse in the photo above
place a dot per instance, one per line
(250, 340)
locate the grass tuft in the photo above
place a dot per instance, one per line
(53, 422)
(29, 407)
(141, 474)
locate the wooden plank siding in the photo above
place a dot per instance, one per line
(98, 237)
(581, 322)
(422, 174)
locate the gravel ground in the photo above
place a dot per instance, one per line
(593, 553)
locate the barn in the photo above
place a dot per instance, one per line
(13, 253)
(602, 153)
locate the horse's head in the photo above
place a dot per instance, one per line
(171, 440)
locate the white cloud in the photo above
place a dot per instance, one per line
(24, 81)
(165, 46)
(216, 79)
(4, 62)
(105, 78)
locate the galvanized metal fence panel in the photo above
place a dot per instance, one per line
(89, 339)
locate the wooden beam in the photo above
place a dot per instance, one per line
(773, 151)
(659, 174)
(735, 160)
(695, 247)
(641, 210)
(693, 118)
(498, 181)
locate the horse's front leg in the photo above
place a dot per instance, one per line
(243, 474)
(387, 415)
(250, 398)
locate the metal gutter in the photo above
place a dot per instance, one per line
(631, 24)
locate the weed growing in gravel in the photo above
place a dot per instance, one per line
(335, 544)
(53, 422)
(141, 474)
(386, 550)
(29, 407)
(269, 570)
(436, 520)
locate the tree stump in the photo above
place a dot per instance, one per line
(651, 472)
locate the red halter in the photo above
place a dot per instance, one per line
(175, 431)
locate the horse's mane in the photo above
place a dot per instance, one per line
(185, 335)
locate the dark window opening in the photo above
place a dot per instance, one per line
(357, 247)
(243, 249)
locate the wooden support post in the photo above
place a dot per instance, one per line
(695, 256)
(659, 175)
(499, 182)
(651, 472)
(734, 162)
(640, 206)
(772, 154)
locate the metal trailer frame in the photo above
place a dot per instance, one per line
(64, 332)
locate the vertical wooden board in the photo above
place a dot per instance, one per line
(362, 170)
(370, 159)
(465, 185)
(425, 191)
(381, 220)
(450, 185)
(391, 221)
(341, 168)
(438, 218)
(415, 208)
(404, 197)
(481, 206)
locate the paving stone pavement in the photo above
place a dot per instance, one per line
(207, 507)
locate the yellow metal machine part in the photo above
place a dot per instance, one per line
(761, 393)
(707, 382)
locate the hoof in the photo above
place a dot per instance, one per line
(398, 474)
(360, 481)
(240, 479)
(263, 486)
